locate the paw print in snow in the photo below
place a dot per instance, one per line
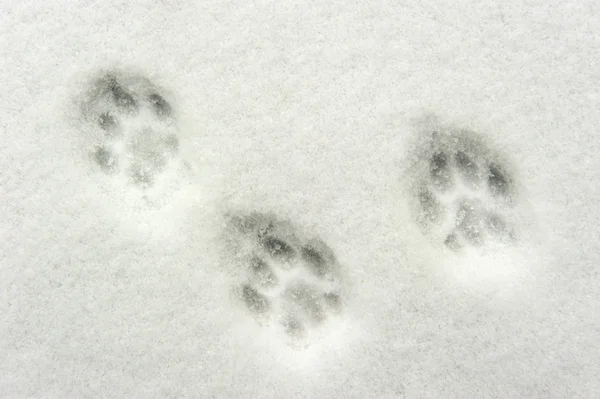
(135, 135)
(464, 192)
(287, 279)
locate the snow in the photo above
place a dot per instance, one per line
(310, 110)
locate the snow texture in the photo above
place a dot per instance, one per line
(299, 199)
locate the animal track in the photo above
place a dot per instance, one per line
(464, 192)
(287, 279)
(134, 129)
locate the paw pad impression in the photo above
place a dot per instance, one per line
(464, 192)
(287, 279)
(135, 131)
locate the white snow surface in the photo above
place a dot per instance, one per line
(310, 110)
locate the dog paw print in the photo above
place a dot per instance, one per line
(464, 192)
(135, 133)
(287, 279)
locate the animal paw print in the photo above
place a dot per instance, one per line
(135, 134)
(287, 279)
(464, 191)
